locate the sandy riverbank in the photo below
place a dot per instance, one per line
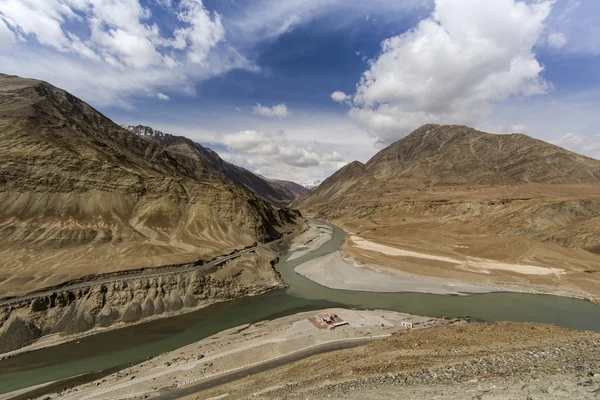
(469, 263)
(338, 271)
(243, 346)
(366, 265)
(311, 240)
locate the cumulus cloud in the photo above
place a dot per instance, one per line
(162, 96)
(451, 67)
(120, 52)
(340, 97)
(264, 150)
(279, 111)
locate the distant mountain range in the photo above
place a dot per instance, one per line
(278, 192)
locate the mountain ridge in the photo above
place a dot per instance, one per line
(273, 191)
(480, 158)
(469, 158)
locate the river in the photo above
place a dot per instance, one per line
(136, 343)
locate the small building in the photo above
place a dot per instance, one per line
(325, 318)
(327, 321)
(406, 324)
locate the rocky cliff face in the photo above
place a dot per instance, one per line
(81, 195)
(129, 300)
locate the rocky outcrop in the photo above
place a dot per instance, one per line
(74, 311)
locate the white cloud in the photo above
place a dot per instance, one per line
(262, 149)
(333, 156)
(251, 142)
(7, 37)
(340, 97)
(202, 33)
(582, 144)
(162, 96)
(279, 111)
(511, 128)
(121, 54)
(452, 67)
(557, 40)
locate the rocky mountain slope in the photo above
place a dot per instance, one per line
(452, 190)
(450, 156)
(276, 192)
(82, 195)
(293, 187)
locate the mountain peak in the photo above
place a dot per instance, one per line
(143, 130)
(455, 154)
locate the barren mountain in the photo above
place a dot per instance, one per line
(451, 190)
(336, 185)
(272, 191)
(82, 195)
(293, 187)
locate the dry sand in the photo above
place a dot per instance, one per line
(242, 346)
(470, 263)
(338, 271)
(311, 240)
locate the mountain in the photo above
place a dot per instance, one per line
(436, 156)
(270, 190)
(82, 195)
(336, 185)
(293, 187)
(455, 178)
(457, 155)
(461, 194)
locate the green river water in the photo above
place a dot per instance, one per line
(136, 343)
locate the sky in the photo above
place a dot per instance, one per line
(295, 89)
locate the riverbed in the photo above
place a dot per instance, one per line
(136, 343)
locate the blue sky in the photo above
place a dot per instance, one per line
(295, 89)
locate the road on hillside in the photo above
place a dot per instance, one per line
(151, 272)
(177, 393)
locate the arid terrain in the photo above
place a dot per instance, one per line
(452, 202)
(450, 359)
(472, 361)
(245, 346)
(81, 195)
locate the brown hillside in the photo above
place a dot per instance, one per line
(451, 190)
(82, 195)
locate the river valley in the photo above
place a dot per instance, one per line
(136, 343)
